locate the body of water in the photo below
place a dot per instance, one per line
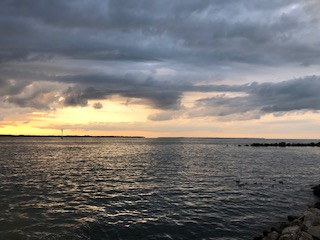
(118, 188)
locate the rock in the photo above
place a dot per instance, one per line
(316, 190)
(271, 236)
(291, 218)
(293, 230)
(303, 228)
(305, 236)
(296, 222)
(258, 238)
(312, 217)
(317, 205)
(265, 233)
(282, 144)
(287, 237)
(314, 231)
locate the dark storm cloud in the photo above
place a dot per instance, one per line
(251, 100)
(157, 94)
(75, 97)
(299, 94)
(26, 94)
(292, 95)
(182, 35)
(98, 30)
(12, 87)
(190, 31)
(259, 99)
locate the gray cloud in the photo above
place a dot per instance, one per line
(152, 52)
(28, 94)
(75, 97)
(151, 92)
(292, 95)
(165, 115)
(97, 105)
(189, 31)
(259, 99)
(247, 100)
(37, 96)
(12, 87)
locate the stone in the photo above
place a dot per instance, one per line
(317, 205)
(314, 231)
(258, 238)
(303, 228)
(315, 211)
(305, 236)
(292, 218)
(271, 236)
(265, 233)
(296, 222)
(312, 217)
(316, 190)
(293, 230)
(287, 237)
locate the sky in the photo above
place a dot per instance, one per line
(161, 68)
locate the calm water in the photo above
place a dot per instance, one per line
(101, 188)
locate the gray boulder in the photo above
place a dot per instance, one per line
(312, 217)
(293, 230)
(305, 236)
(287, 237)
(272, 236)
(314, 231)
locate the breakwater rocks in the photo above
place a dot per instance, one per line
(284, 144)
(305, 227)
(316, 190)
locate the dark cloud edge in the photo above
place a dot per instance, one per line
(292, 95)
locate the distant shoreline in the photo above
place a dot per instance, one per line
(280, 143)
(68, 136)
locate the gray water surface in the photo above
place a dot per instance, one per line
(110, 188)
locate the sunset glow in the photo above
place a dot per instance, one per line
(166, 69)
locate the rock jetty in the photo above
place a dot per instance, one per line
(285, 144)
(305, 227)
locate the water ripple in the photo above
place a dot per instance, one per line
(148, 188)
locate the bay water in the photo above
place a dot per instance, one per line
(164, 188)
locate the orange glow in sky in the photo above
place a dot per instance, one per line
(184, 69)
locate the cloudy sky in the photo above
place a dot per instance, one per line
(209, 68)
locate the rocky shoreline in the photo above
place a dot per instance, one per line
(305, 227)
(285, 144)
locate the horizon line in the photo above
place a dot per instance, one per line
(121, 136)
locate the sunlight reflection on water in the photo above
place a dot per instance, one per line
(98, 188)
